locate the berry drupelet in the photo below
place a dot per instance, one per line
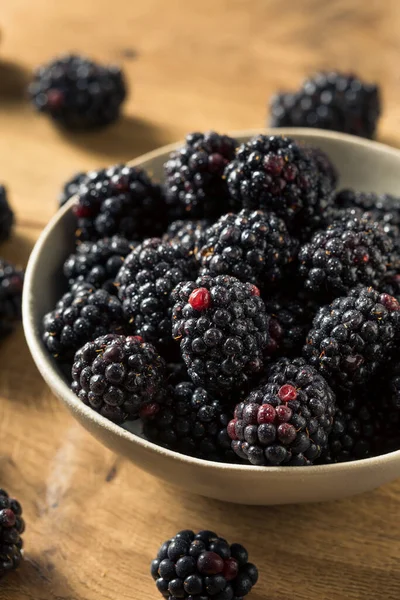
(12, 527)
(253, 246)
(11, 284)
(98, 263)
(78, 93)
(329, 100)
(146, 280)
(203, 566)
(81, 315)
(118, 376)
(194, 184)
(222, 328)
(286, 421)
(119, 200)
(354, 336)
(192, 422)
(71, 187)
(6, 215)
(188, 234)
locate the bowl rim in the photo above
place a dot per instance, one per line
(46, 367)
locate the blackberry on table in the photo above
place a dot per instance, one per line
(11, 284)
(286, 421)
(203, 566)
(80, 316)
(329, 100)
(12, 526)
(77, 92)
(253, 246)
(119, 200)
(194, 184)
(222, 328)
(191, 422)
(71, 187)
(118, 376)
(98, 263)
(6, 215)
(188, 234)
(145, 281)
(353, 336)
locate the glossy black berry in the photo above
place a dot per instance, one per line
(11, 528)
(188, 234)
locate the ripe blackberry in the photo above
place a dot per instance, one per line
(329, 100)
(71, 187)
(81, 315)
(119, 200)
(222, 328)
(188, 234)
(118, 376)
(194, 183)
(191, 422)
(12, 526)
(11, 284)
(286, 421)
(203, 566)
(351, 251)
(98, 263)
(146, 280)
(6, 215)
(252, 246)
(354, 336)
(325, 166)
(78, 93)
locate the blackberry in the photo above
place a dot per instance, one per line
(6, 215)
(78, 93)
(12, 526)
(81, 315)
(191, 422)
(71, 187)
(118, 376)
(189, 234)
(203, 566)
(11, 284)
(354, 336)
(286, 421)
(329, 100)
(119, 200)
(324, 165)
(252, 246)
(222, 328)
(351, 251)
(194, 183)
(98, 263)
(146, 280)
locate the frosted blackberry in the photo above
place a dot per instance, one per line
(71, 187)
(118, 376)
(6, 215)
(78, 93)
(81, 315)
(146, 280)
(191, 422)
(119, 200)
(12, 526)
(194, 183)
(253, 246)
(188, 234)
(354, 336)
(11, 284)
(329, 100)
(98, 262)
(351, 251)
(222, 328)
(203, 566)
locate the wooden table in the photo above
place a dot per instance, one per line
(94, 521)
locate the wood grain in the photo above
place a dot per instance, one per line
(94, 520)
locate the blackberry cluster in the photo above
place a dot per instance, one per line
(98, 263)
(119, 200)
(12, 526)
(192, 422)
(6, 215)
(329, 100)
(194, 184)
(81, 315)
(118, 376)
(253, 246)
(353, 337)
(287, 420)
(222, 328)
(78, 93)
(188, 234)
(71, 187)
(11, 284)
(148, 276)
(203, 566)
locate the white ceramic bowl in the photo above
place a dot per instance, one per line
(362, 164)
